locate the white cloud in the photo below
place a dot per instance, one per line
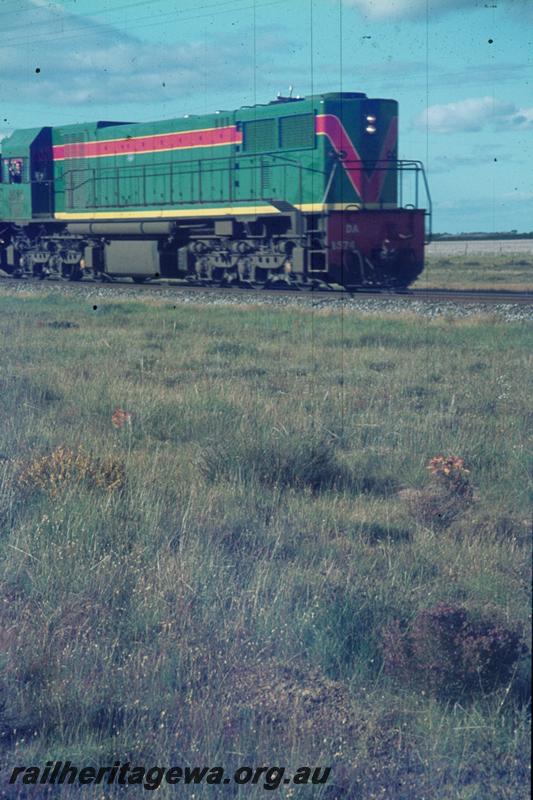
(445, 164)
(517, 195)
(51, 56)
(402, 9)
(523, 119)
(491, 73)
(474, 114)
(417, 9)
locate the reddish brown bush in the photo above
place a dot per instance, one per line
(449, 495)
(450, 471)
(450, 654)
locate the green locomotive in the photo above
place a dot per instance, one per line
(299, 190)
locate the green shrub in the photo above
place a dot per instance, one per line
(280, 460)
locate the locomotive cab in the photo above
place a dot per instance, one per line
(26, 190)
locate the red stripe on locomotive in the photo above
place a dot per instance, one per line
(149, 144)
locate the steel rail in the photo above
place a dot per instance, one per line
(489, 297)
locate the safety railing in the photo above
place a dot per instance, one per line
(268, 177)
(410, 189)
(192, 182)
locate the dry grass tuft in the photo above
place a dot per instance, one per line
(65, 467)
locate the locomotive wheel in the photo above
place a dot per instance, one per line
(72, 272)
(22, 267)
(140, 278)
(409, 269)
(353, 272)
(76, 273)
(230, 277)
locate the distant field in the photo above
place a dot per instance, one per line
(469, 247)
(221, 544)
(479, 265)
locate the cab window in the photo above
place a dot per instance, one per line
(15, 170)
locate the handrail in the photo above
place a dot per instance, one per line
(403, 166)
(171, 166)
(194, 167)
(248, 162)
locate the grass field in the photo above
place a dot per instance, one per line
(513, 272)
(219, 575)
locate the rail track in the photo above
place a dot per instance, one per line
(494, 297)
(469, 296)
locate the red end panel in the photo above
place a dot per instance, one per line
(370, 231)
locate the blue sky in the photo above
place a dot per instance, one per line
(462, 71)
